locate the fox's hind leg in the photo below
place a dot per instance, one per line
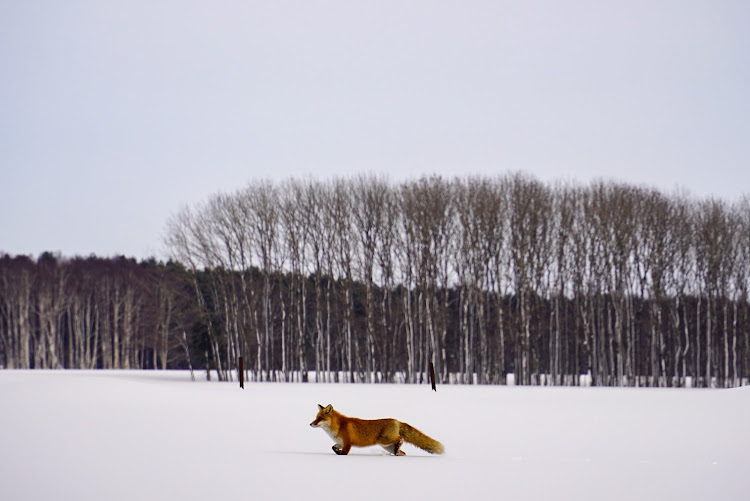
(395, 448)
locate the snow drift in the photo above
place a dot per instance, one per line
(157, 435)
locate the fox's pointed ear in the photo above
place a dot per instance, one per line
(329, 408)
(320, 407)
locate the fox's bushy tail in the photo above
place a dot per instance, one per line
(419, 439)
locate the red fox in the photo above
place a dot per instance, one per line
(388, 433)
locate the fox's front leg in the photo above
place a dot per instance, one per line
(342, 450)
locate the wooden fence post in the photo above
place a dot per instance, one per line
(432, 376)
(242, 373)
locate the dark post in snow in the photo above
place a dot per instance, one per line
(241, 369)
(432, 376)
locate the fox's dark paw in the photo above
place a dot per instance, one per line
(337, 449)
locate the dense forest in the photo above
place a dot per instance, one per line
(363, 279)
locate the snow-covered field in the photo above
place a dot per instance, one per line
(158, 435)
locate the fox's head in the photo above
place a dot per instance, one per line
(324, 415)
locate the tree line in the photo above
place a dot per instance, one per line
(92, 313)
(363, 279)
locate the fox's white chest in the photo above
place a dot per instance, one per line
(326, 427)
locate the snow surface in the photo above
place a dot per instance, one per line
(158, 435)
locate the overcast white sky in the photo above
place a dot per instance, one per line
(114, 115)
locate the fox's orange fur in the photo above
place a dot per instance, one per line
(388, 433)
